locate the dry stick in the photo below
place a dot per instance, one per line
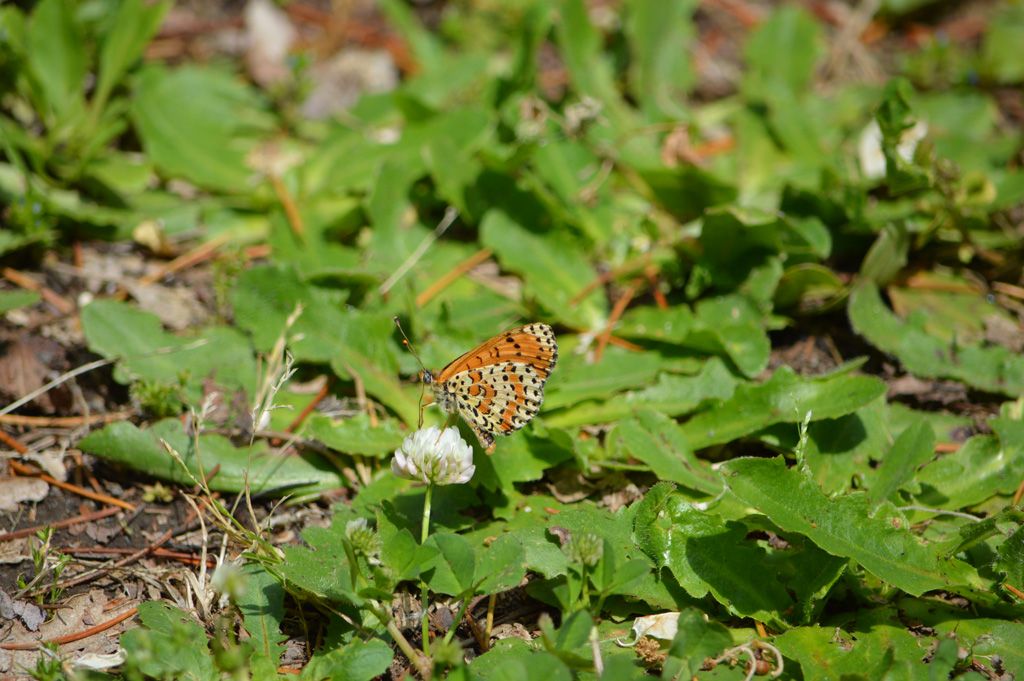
(63, 305)
(652, 279)
(450, 214)
(83, 518)
(12, 443)
(71, 638)
(308, 409)
(127, 560)
(197, 255)
(625, 268)
(625, 344)
(617, 310)
(180, 556)
(1014, 590)
(1009, 289)
(24, 470)
(291, 211)
(449, 277)
(1018, 494)
(64, 421)
(946, 447)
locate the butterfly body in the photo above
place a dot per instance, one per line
(498, 386)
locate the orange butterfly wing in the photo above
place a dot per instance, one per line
(498, 386)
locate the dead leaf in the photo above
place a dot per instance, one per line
(15, 490)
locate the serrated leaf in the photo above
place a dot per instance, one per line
(844, 526)
(671, 395)
(357, 661)
(995, 368)
(656, 440)
(708, 554)
(263, 471)
(784, 398)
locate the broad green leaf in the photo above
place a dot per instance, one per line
(262, 608)
(986, 637)
(56, 55)
(521, 458)
(784, 398)
(145, 351)
(659, 36)
(554, 267)
(913, 448)
(697, 640)
(844, 526)
(668, 326)
(513, 659)
(12, 300)
(574, 380)
(771, 60)
(839, 451)
(671, 395)
(656, 440)
(980, 468)
(994, 369)
(359, 660)
(197, 124)
(134, 24)
(169, 645)
(356, 435)
(887, 255)
(707, 554)
(827, 653)
(1011, 559)
(502, 566)
(731, 324)
(228, 468)
(454, 569)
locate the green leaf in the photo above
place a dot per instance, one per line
(134, 24)
(995, 369)
(264, 472)
(12, 300)
(784, 398)
(913, 448)
(513, 659)
(502, 566)
(575, 380)
(697, 639)
(197, 124)
(455, 567)
(554, 268)
(844, 526)
(355, 435)
(357, 661)
(169, 645)
(145, 351)
(262, 609)
(732, 325)
(56, 55)
(659, 36)
(887, 255)
(1010, 561)
(771, 60)
(670, 395)
(657, 440)
(827, 653)
(707, 554)
(980, 468)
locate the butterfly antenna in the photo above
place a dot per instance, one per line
(408, 346)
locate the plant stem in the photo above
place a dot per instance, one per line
(424, 595)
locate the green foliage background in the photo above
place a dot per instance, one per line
(810, 504)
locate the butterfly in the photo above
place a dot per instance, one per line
(498, 386)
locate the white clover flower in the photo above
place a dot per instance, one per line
(434, 456)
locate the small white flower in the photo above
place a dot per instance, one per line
(434, 456)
